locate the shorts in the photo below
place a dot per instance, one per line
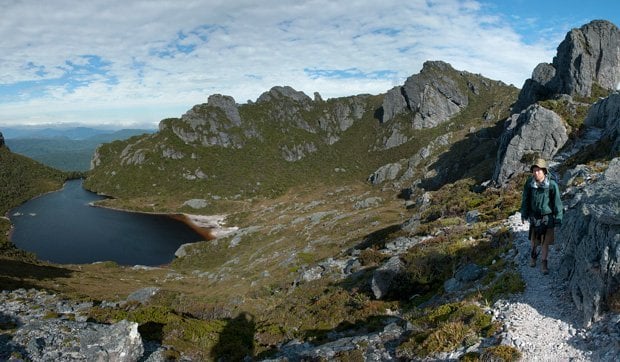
(547, 239)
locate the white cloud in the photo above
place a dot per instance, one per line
(166, 56)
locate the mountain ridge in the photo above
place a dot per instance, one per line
(294, 135)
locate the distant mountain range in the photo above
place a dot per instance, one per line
(64, 148)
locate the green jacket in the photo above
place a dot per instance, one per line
(539, 201)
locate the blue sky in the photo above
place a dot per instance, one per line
(132, 63)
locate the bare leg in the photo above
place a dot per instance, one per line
(545, 251)
(532, 252)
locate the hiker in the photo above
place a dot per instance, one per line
(542, 207)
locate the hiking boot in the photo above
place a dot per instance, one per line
(533, 262)
(545, 270)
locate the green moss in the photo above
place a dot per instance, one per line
(306, 258)
(508, 283)
(107, 315)
(470, 357)
(447, 337)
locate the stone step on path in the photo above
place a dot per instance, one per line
(541, 322)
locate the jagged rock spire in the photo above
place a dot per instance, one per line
(587, 57)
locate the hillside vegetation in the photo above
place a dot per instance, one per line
(22, 179)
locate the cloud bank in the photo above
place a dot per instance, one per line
(123, 62)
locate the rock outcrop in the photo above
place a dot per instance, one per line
(605, 115)
(588, 57)
(37, 326)
(341, 117)
(1, 140)
(211, 124)
(433, 95)
(535, 132)
(385, 173)
(590, 236)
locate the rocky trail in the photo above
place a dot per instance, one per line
(542, 322)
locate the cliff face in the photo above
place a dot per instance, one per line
(590, 235)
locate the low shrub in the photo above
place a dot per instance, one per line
(500, 354)
(445, 328)
(371, 257)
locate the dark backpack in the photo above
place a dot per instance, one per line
(553, 176)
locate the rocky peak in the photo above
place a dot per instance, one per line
(226, 104)
(279, 92)
(1, 140)
(433, 95)
(588, 56)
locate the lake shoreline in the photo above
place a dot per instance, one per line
(211, 227)
(70, 221)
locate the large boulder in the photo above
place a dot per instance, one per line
(588, 56)
(382, 278)
(535, 132)
(590, 236)
(394, 103)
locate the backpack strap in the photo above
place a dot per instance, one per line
(552, 186)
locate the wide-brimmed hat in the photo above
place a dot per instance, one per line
(540, 163)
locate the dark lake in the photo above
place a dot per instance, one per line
(62, 227)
